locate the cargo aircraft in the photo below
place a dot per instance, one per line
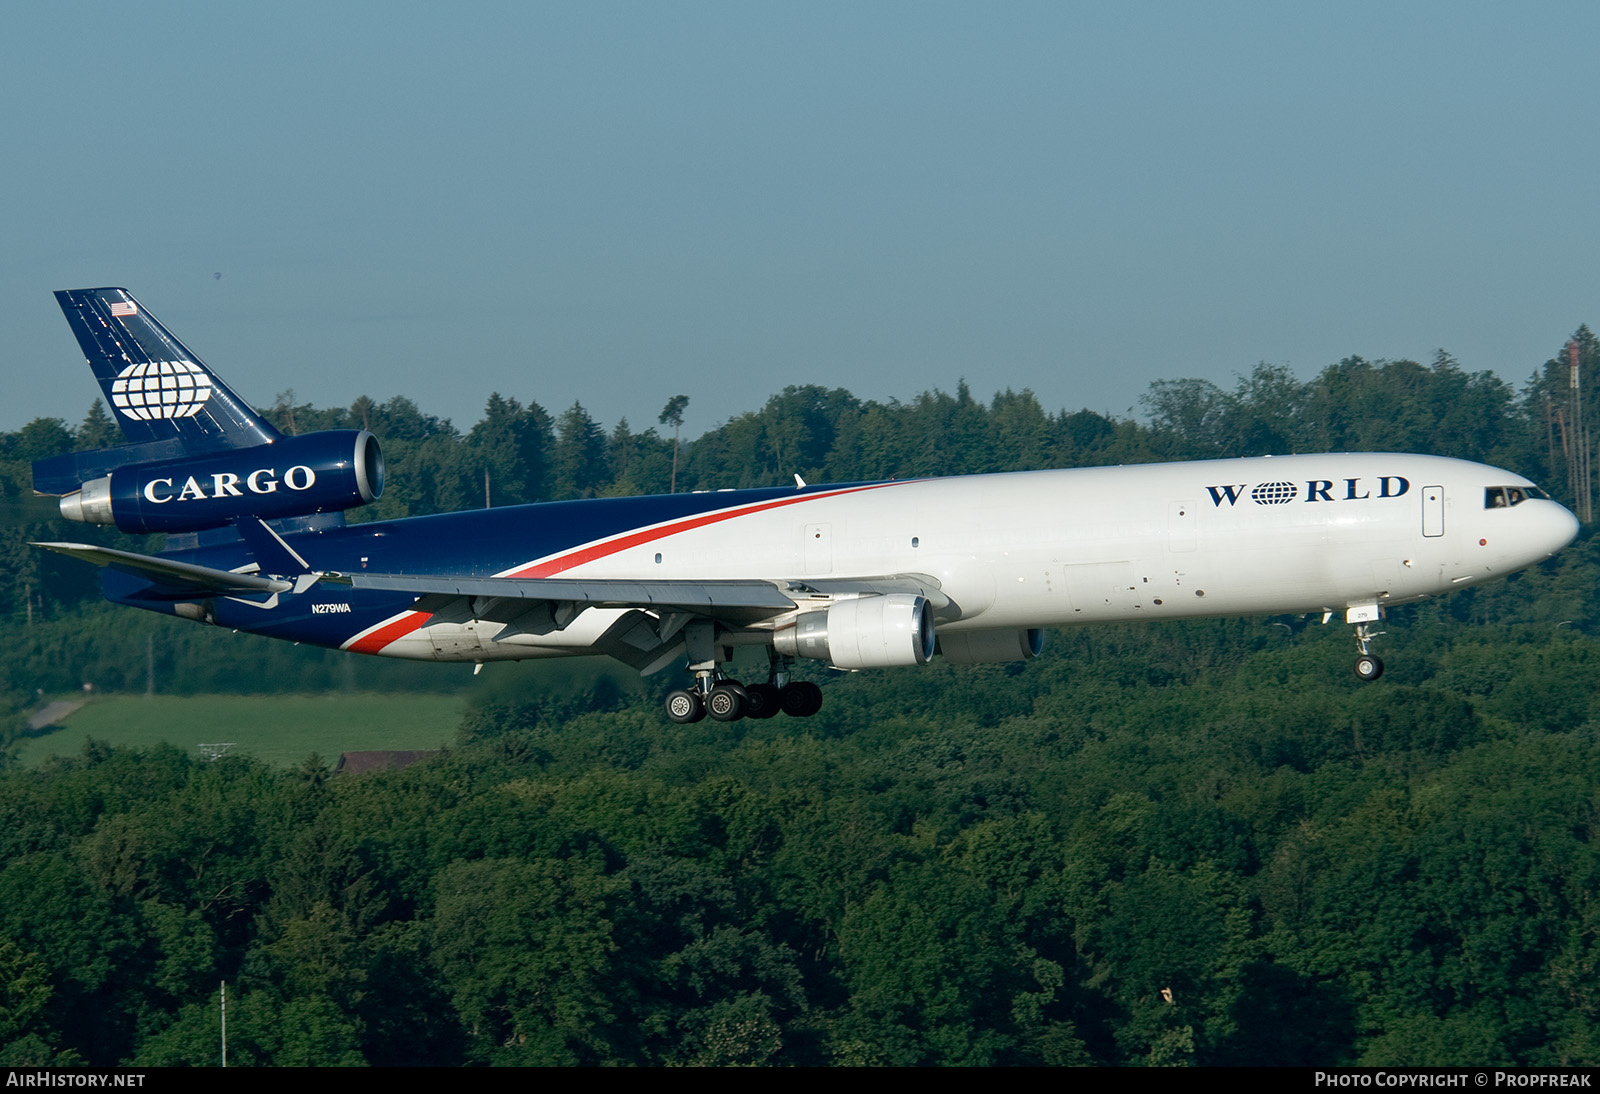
(860, 575)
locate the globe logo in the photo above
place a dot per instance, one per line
(161, 389)
(1273, 493)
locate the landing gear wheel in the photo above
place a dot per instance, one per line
(800, 699)
(761, 701)
(727, 702)
(684, 707)
(1368, 667)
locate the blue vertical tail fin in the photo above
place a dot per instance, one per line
(168, 403)
(156, 388)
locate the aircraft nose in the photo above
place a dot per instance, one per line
(1557, 527)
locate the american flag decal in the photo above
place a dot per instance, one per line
(126, 308)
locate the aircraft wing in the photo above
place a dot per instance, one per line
(180, 579)
(647, 634)
(731, 600)
(505, 599)
(718, 599)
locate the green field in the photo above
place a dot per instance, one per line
(280, 729)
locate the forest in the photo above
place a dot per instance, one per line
(1201, 843)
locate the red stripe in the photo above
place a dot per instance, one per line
(373, 641)
(376, 640)
(556, 565)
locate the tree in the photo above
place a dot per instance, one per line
(41, 438)
(672, 414)
(581, 465)
(98, 430)
(526, 951)
(512, 449)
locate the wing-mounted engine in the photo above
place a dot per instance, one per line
(982, 646)
(289, 477)
(863, 632)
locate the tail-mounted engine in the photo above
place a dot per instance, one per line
(289, 477)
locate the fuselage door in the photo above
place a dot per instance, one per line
(1433, 511)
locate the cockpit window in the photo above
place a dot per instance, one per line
(1503, 497)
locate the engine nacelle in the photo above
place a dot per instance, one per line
(866, 632)
(977, 647)
(292, 477)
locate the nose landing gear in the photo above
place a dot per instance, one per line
(1368, 667)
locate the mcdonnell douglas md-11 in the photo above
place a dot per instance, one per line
(861, 575)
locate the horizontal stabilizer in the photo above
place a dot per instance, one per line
(63, 474)
(180, 576)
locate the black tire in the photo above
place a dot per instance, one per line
(1368, 667)
(801, 699)
(684, 707)
(726, 702)
(761, 701)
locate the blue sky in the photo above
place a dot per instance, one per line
(612, 203)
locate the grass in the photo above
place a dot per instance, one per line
(279, 729)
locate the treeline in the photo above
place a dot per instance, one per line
(519, 453)
(832, 436)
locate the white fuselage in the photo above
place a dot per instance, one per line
(1322, 533)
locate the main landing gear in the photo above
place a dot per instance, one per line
(727, 700)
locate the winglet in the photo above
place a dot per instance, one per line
(799, 483)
